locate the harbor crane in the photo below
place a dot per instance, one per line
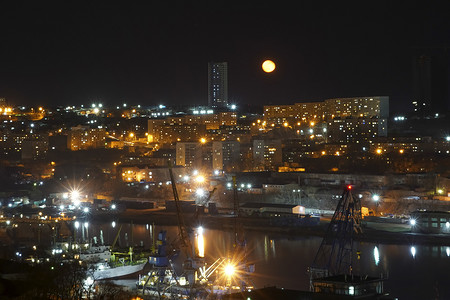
(335, 252)
(185, 242)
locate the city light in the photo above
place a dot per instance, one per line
(229, 269)
(200, 179)
(74, 195)
(200, 192)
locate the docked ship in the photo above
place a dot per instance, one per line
(102, 264)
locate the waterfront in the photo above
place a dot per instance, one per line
(415, 272)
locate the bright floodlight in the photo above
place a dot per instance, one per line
(200, 192)
(412, 222)
(74, 195)
(375, 197)
(86, 209)
(113, 206)
(229, 270)
(77, 224)
(200, 179)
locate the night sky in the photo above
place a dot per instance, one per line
(60, 54)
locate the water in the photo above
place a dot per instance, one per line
(415, 272)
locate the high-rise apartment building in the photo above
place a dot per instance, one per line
(422, 83)
(226, 155)
(217, 84)
(267, 154)
(430, 83)
(188, 154)
(357, 107)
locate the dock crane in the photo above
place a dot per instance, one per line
(335, 252)
(194, 266)
(185, 242)
(332, 270)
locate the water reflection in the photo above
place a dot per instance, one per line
(376, 255)
(413, 251)
(266, 248)
(282, 261)
(269, 248)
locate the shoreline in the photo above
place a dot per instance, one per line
(390, 234)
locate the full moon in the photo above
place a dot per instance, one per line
(268, 66)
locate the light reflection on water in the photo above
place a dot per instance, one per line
(282, 261)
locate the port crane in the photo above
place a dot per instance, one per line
(194, 281)
(162, 279)
(185, 242)
(335, 252)
(332, 271)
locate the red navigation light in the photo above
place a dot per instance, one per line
(349, 187)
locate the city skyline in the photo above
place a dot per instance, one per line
(159, 54)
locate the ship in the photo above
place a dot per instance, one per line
(102, 264)
(116, 271)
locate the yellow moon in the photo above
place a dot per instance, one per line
(268, 66)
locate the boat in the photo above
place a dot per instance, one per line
(102, 264)
(115, 271)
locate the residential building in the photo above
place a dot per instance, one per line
(218, 84)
